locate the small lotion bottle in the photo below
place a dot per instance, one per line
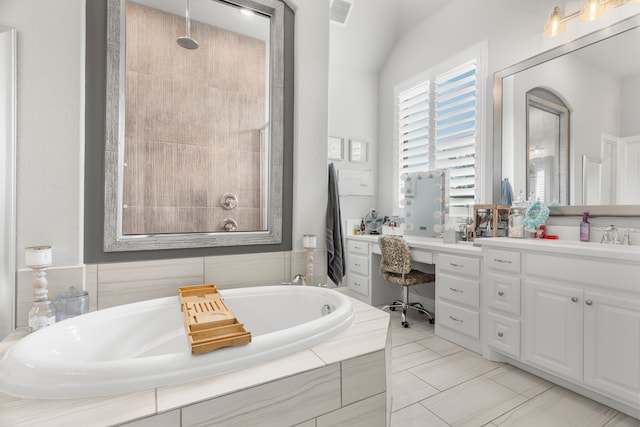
(584, 227)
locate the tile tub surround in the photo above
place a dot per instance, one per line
(342, 381)
(126, 282)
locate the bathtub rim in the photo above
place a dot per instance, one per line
(105, 383)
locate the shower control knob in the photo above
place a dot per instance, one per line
(229, 224)
(229, 201)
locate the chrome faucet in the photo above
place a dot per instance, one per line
(611, 236)
(299, 279)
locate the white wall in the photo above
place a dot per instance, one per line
(630, 125)
(353, 113)
(51, 42)
(50, 124)
(310, 119)
(513, 31)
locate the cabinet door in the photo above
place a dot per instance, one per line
(552, 328)
(612, 346)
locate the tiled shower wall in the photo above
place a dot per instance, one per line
(193, 120)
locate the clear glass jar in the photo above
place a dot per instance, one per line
(42, 313)
(516, 224)
(72, 302)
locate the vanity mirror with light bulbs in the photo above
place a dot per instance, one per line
(565, 127)
(422, 202)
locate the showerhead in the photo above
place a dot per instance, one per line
(187, 42)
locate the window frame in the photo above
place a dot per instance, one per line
(477, 53)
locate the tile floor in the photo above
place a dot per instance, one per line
(437, 383)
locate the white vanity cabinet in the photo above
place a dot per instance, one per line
(458, 299)
(502, 291)
(358, 268)
(582, 321)
(567, 310)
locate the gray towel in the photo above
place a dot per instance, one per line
(336, 264)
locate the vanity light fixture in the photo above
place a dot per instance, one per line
(590, 11)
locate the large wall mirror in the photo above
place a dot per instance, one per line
(194, 124)
(566, 126)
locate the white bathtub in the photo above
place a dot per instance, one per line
(144, 345)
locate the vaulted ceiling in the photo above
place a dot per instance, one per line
(373, 27)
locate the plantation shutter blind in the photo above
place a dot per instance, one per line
(413, 129)
(455, 132)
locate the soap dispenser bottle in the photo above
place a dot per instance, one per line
(584, 227)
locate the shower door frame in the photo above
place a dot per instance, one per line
(8, 123)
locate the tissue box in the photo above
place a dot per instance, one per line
(449, 236)
(393, 231)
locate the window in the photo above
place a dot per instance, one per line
(438, 127)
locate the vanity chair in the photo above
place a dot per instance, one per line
(395, 267)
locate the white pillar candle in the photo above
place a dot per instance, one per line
(38, 256)
(309, 241)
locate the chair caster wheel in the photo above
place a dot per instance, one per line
(432, 321)
(392, 309)
(405, 324)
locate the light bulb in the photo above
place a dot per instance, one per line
(555, 24)
(592, 10)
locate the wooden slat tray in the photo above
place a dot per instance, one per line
(208, 321)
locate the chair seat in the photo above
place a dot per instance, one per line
(414, 277)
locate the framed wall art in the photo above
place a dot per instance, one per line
(358, 151)
(336, 148)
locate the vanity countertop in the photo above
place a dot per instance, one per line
(566, 247)
(428, 243)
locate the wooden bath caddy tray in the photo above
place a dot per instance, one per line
(209, 322)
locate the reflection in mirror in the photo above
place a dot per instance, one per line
(423, 200)
(591, 181)
(194, 119)
(598, 78)
(201, 125)
(547, 147)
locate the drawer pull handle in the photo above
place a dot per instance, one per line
(455, 265)
(500, 293)
(456, 320)
(574, 299)
(356, 264)
(588, 302)
(357, 284)
(503, 261)
(500, 334)
(456, 290)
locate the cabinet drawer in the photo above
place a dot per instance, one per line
(358, 264)
(459, 264)
(357, 283)
(420, 255)
(504, 334)
(458, 289)
(356, 247)
(503, 260)
(504, 292)
(459, 319)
